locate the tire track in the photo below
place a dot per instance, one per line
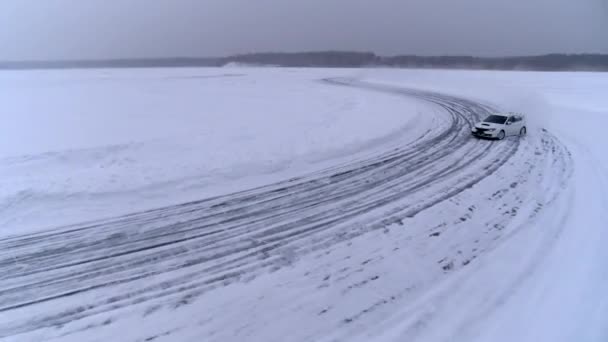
(185, 250)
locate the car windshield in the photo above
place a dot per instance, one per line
(497, 119)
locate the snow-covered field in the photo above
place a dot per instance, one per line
(81, 145)
(369, 213)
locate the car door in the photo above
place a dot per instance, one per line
(510, 126)
(518, 124)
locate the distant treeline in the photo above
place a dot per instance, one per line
(112, 63)
(335, 59)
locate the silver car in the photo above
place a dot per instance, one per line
(499, 126)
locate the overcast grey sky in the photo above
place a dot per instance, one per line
(82, 29)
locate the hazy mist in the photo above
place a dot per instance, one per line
(77, 29)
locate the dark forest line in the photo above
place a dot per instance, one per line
(342, 59)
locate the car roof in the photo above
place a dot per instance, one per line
(508, 114)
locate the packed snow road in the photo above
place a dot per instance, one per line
(312, 256)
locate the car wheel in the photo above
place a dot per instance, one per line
(501, 135)
(523, 131)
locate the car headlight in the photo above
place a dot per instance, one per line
(491, 129)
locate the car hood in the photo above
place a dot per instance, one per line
(487, 125)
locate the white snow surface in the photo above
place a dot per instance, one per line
(547, 283)
(519, 256)
(80, 145)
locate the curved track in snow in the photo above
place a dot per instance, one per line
(173, 255)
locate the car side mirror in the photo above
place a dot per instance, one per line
(509, 123)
